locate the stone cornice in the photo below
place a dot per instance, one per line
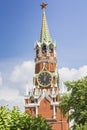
(45, 60)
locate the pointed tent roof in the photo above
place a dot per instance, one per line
(44, 35)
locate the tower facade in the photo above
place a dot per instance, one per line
(44, 99)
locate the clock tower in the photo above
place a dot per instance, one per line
(44, 99)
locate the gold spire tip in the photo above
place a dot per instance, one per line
(43, 5)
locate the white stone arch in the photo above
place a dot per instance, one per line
(45, 95)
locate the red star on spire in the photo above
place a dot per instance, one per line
(43, 5)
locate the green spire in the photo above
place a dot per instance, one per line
(44, 35)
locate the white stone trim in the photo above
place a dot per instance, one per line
(46, 60)
(55, 103)
(36, 111)
(44, 95)
(54, 112)
(26, 97)
(32, 105)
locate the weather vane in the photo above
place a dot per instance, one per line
(43, 5)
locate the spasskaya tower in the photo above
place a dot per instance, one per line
(44, 99)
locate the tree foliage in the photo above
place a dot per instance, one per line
(81, 127)
(76, 101)
(16, 120)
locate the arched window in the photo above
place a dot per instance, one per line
(51, 48)
(37, 50)
(44, 48)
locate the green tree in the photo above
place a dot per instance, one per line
(19, 120)
(81, 127)
(16, 120)
(4, 118)
(76, 101)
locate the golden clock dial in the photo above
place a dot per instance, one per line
(44, 78)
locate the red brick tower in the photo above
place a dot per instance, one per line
(44, 99)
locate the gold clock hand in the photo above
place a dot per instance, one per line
(44, 77)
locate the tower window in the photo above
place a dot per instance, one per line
(37, 52)
(44, 49)
(32, 100)
(51, 48)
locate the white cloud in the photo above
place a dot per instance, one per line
(21, 75)
(17, 101)
(23, 72)
(8, 94)
(82, 71)
(67, 74)
(13, 90)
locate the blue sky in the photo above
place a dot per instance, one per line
(20, 24)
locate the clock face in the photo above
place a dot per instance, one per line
(44, 78)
